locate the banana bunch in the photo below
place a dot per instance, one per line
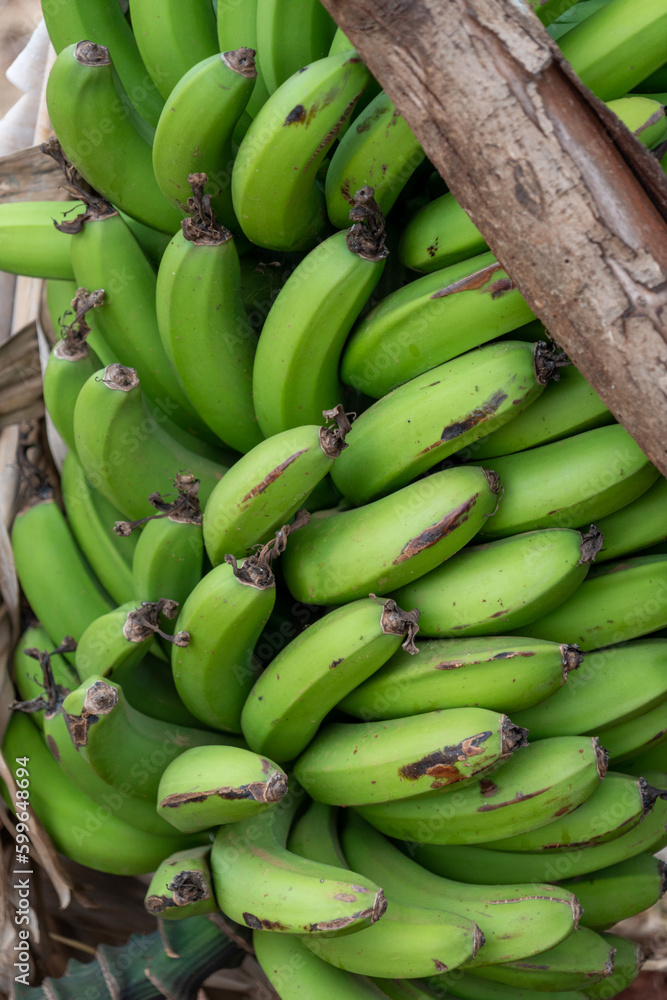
(353, 620)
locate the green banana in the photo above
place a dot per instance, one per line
(516, 922)
(78, 827)
(549, 10)
(619, 601)
(570, 482)
(640, 523)
(91, 519)
(29, 243)
(172, 38)
(628, 962)
(290, 36)
(379, 547)
(237, 27)
(498, 586)
(25, 675)
(68, 597)
(274, 188)
(584, 957)
(89, 113)
(122, 448)
(69, 21)
(195, 129)
(378, 149)
(567, 407)
(654, 759)
(224, 616)
(504, 674)
(619, 891)
(356, 764)
(309, 676)
(123, 746)
(644, 117)
(210, 785)
(268, 484)
(432, 416)
(182, 885)
(461, 985)
(314, 835)
(260, 884)
(292, 968)
(632, 737)
(429, 321)
(295, 374)
(198, 290)
(149, 688)
(547, 778)
(612, 686)
(574, 15)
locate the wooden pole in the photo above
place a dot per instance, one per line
(569, 201)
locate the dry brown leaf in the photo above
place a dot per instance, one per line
(29, 175)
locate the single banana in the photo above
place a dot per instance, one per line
(29, 243)
(291, 36)
(314, 835)
(91, 519)
(528, 791)
(379, 547)
(276, 197)
(516, 921)
(634, 736)
(295, 374)
(78, 827)
(499, 586)
(379, 149)
(628, 962)
(430, 321)
(172, 38)
(268, 484)
(356, 764)
(640, 523)
(504, 674)
(198, 290)
(56, 579)
(237, 28)
(567, 407)
(122, 448)
(260, 884)
(28, 679)
(619, 891)
(196, 128)
(654, 759)
(462, 985)
(89, 113)
(309, 676)
(210, 785)
(619, 601)
(123, 746)
(182, 885)
(611, 686)
(224, 616)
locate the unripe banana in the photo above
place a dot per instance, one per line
(29, 243)
(260, 884)
(634, 736)
(237, 27)
(28, 679)
(276, 197)
(619, 601)
(355, 764)
(150, 689)
(546, 778)
(310, 675)
(70, 364)
(619, 891)
(314, 835)
(429, 321)
(172, 38)
(182, 885)
(61, 302)
(268, 484)
(462, 985)
(432, 416)
(640, 523)
(379, 547)
(497, 587)
(291, 36)
(210, 785)
(505, 674)
(570, 482)
(628, 962)
(295, 374)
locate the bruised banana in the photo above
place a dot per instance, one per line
(295, 374)
(619, 891)
(383, 545)
(506, 674)
(260, 884)
(640, 523)
(276, 197)
(172, 38)
(309, 676)
(210, 785)
(268, 484)
(432, 416)
(182, 885)
(542, 779)
(355, 764)
(499, 586)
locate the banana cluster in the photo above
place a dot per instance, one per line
(355, 620)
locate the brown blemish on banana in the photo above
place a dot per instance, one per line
(261, 924)
(189, 887)
(335, 663)
(158, 904)
(475, 417)
(488, 787)
(53, 747)
(572, 657)
(271, 477)
(601, 757)
(374, 912)
(500, 287)
(261, 791)
(439, 966)
(591, 543)
(519, 797)
(296, 116)
(333, 132)
(436, 532)
(442, 763)
(470, 283)
(454, 664)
